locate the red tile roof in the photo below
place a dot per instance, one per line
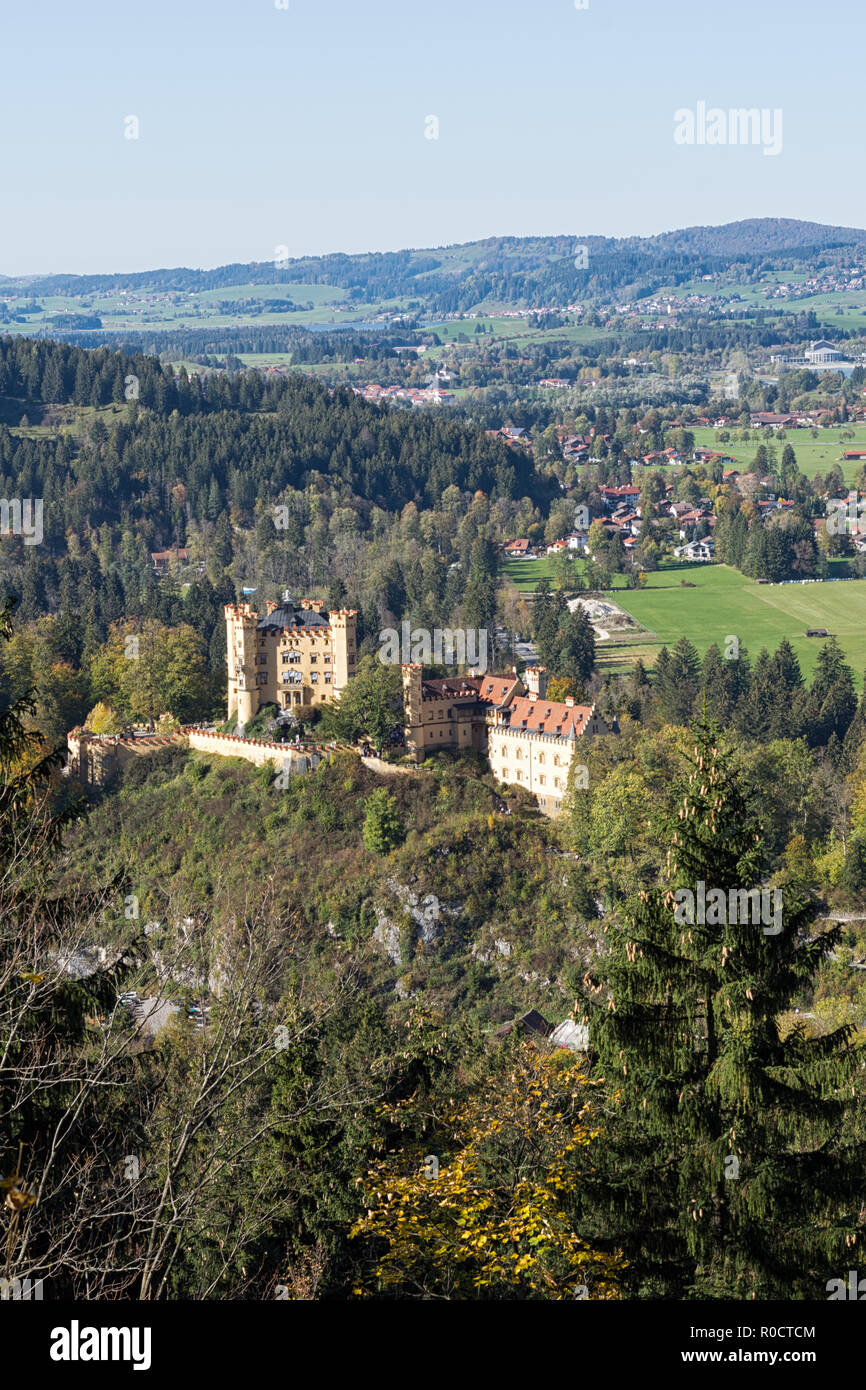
(548, 716)
(493, 690)
(489, 690)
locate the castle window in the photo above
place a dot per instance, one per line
(541, 757)
(313, 656)
(327, 678)
(328, 656)
(314, 678)
(542, 781)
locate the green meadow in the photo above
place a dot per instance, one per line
(724, 603)
(813, 455)
(709, 603)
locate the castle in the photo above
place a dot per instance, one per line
(530, 741)
(296, 656)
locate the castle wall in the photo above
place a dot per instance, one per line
(259, 753)
(93, 759)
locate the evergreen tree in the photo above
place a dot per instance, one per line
(576, 654)
(831, 702)
(755, 709)
(729, 1165)
(479, 604)
(547, 615)
(677, 681)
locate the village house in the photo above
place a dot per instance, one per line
(162, 560)
(693, 518)
(530, 741)
(769, 418)
(696, 550)
(614, 496)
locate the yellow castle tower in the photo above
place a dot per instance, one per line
(295, 656)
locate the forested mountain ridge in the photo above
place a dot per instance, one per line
(262, 481)
(533, 270)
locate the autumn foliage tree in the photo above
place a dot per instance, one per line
(483, 1208)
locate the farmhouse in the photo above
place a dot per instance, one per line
(775, 421)
(162, 560)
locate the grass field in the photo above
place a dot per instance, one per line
(164, 310)
(526, 574)
(842, 308)
(498, 329)
(813, 455)
(725, 603)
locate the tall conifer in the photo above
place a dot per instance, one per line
(727, 1166)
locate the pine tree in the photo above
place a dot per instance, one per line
(678, 680)
(728, 1165)
(576, 655)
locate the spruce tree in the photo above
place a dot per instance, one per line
(576, 655)
(727, 1165)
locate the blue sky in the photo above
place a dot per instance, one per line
(305, 126)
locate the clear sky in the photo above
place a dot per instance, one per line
(305, 126)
